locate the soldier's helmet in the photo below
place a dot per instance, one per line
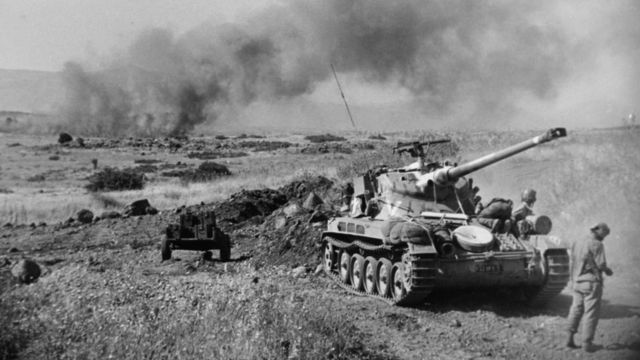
(529, 195)
(601, 229)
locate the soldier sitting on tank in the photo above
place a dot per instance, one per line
(372, 209)
(364, 205)
(357, 206)
(347, 195)
(525, 209)
(496, 215)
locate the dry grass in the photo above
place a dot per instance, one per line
(573, 167)
(129, 313)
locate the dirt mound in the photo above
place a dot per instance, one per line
(300, 189)
(282, 236)
(291, 241)
(249, 204)
(256, 205)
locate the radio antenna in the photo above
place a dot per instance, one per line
(343, 98)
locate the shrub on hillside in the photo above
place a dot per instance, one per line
(110, 179)
(208, 170)
(324, 138)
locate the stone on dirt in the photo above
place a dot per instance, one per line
(139, 207)
(292, 210)
(26, 271)
(280, 222)
(64, 138)
(319, 270)
(85, 216)
(299, 272)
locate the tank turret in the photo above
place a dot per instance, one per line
(433, 186)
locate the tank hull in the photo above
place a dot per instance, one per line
(539, 265)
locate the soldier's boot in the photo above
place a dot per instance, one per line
(588, 346)
(570, 344)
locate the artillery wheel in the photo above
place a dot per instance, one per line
(345, 267)
(357, 272)
(383, 278)
(329, 257)
(370, 275)
(398, 289)
(165, 249)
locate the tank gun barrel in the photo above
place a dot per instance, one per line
(450, 175)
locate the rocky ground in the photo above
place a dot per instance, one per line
(114, 265)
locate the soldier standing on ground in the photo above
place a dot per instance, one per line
(588, 262)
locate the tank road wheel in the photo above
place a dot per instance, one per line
(345, 267)
(165, 249)
(383, 278)
(357, 271)
(398, 290)
(329, 257)
(370, 275)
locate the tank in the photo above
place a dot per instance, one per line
(419, 228)
(196, 231)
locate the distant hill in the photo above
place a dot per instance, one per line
(30, 91)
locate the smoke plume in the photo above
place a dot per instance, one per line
(465, 59)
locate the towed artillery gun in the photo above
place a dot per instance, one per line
(414, 229)
(197, 231)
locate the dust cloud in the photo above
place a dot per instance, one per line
(497, 64)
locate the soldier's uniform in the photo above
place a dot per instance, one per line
(588, 262)
(522, 211)
(525, 209)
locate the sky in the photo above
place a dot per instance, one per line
(493, 63)
(44, 34)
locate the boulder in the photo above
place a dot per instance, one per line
(138, 208)
(64, 138)
(85, 216)
(312, 201)
(26, 271)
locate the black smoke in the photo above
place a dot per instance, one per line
(482, 56)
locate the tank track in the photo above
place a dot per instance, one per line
(419, 273)
(556, 279)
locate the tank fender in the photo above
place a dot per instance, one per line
(545, 243)
(419, 249)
